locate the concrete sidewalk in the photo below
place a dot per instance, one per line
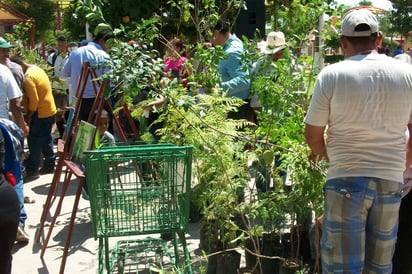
(83, 251)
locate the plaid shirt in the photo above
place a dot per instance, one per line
(13, 145)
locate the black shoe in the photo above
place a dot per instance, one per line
(46, 170)
(31, 176)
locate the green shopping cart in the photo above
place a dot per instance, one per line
(137, 192)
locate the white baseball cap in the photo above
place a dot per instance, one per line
(357, 17)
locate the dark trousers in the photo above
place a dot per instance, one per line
(402, 258)
(85, 108)
(40, 141)
(61, 99)
(9, 221)
(244, 111)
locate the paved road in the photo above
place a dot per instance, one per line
(83, 251)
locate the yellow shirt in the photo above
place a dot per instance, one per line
(37, 95)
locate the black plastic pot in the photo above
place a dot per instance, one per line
(254, 245)
(228, 263)
(194, 214)
(208, 236)
(271, 246)
(224, 263)
(304, 245)
(211, 265)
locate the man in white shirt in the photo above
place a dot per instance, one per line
(10, 102)
(60, 84)
(11, 97)
(365, 105)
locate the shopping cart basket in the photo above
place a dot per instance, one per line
(140, 190)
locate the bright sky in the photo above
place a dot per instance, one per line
(383, 4)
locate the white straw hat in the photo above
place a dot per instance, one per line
(275, 41)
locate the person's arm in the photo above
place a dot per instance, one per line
(186, 71)
(407, 174)
(156, 103)
(14, 96)
(408, 162)
(17, 115)
(29, 114)
(315, 139)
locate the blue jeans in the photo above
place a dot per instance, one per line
(40, 141)
(19, 190)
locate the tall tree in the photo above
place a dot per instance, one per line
(42, 11)
(189, 17)
(365, 3)
(401, 17)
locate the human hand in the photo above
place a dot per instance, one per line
(314, 157)
(164, 82)
(25, 130)
(407, 181)
(207, 45)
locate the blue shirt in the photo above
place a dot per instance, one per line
(96, 56)
(13, 146)
(397, 52)
(235, 80)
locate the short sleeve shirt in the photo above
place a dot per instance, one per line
(10, 90)
(366, 104)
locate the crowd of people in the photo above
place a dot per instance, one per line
(44, 100)
(364, 103)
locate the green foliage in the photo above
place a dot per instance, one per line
(199, 116)
(330, 59)
(201, 15)
(385, 25)
(135, 79)
(284, 89)
(191, 18)
(134, 76)
(333, 41)
(365, 3)
(289, 17)
(196, 119)
(42, 11)
(21, 31)
(401, 16)
(92, 11)
(31, 57)
(74, 21)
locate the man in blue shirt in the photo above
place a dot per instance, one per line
(94, 53)
(235, 78)
(398, 51)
